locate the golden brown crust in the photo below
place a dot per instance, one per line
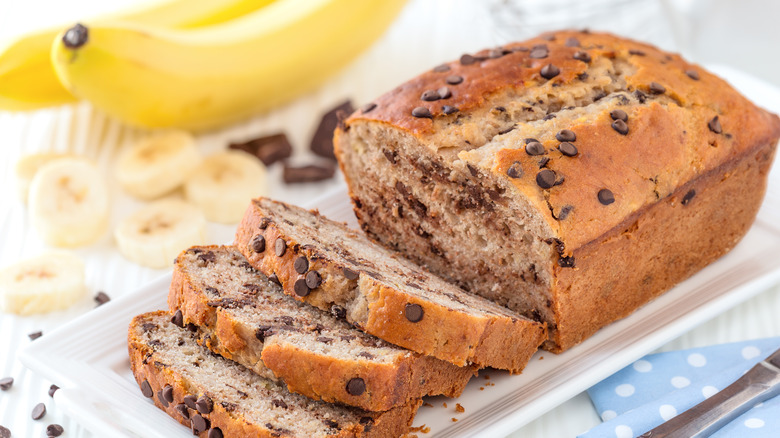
(448, 335)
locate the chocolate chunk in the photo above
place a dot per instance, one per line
(422, 112)
(429, 96)
(350, 274)
(618, 114)
(441, 68)
(301, 264)
(280, 247)
(76, 36)
(515, 170)
(545, 178)
(620, 126)
(338, 311)
(167, 393)
(258, 243)
(102, 298)
(413, 312)
(308, 173)
(5, 432)
(640, 96)
(550, 71)
(260, 333)
(332, 424)
(215, 433)
(279, 403)
(322, 142)
(38, 411)
(567, 149)
(572, 42)
(693, 74)
(447, 110)
(35, 335)
(468, 59)
(6, 383)
(199, 424)
(190, 400)
(146, 389)
(566, 135)
(582, 76)
(656, 88)
(534, 148)
(181, 408)
(548, 117)
(543, 162)
(178, 319)
(204, 405)
(539, 52)
(564, 213)
(300, 287)
(453, 79)
(269, 149)
(582, 56)
(566, 262)
(606, 197)
(274, 279)
(54, 388)
(54, 430)
(444, 93)
(313, 279)
(688, 197)
(367, 108)
(356, 386)
(714, 125)
(636, 52)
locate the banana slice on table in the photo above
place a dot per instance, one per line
(69, 203)
(224, 183)
(157, 164)
(28, 166)
(50, 281)
(154, 235)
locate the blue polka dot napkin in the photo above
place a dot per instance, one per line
(659, 386)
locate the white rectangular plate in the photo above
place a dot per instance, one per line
(88, 357)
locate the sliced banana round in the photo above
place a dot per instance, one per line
(28, 166)
(69, 202)
(47, 282)
(154, 235)
(157, 164)
(224, 183)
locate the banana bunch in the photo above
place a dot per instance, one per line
(28, 80)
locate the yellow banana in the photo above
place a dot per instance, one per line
(28, 81)
(205, 78)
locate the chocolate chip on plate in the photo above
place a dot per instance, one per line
(515, 170)
(102, 298)
(356, 386)
(35, 335)
(454, 79)
(309, 173)
(618, 114)
(550, 71)
(534, 148)
(714, 125)
(269, 149)
(422, 112)
(545, 178)
(322, 141)
(5, 432)
(38, 411)
(301, 264)
(54, 388)
(606, 197)
(567, 149)
(620, 126)
(54, 430)
(6, 383)
(566, 135)
(413, 312)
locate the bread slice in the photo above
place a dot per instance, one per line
(217, 397)
(246, 318)
(330, 266)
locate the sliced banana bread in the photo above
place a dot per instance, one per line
(330, 266)
(217, 398)
(247, 318)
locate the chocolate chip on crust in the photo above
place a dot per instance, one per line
(636, 52)
(441, 68)
(258, 244)
(688, 197)
(313, 279)
(550, 71)
(693, 74)
(300, 287)
(566, 262)
(273, 278)
(181, 408)
(280, 247)
(444, 93)
(618, 114)
(620, 126)
(215, 433)
(714, 125)
(350, 274)
(515, 170)
(162, 399)
(178, 319)
(204, 404)
(567, 149)
(606, 197)
(167, 393)
(199, 424)
(447, 110)
(190, 401)
(534, 148)
(453, 79)
(422, 112)
(656, 88)
(429, 96)
(539, 52)
(301, 264)
(413, 312)
(146, 389)
(572, 42)
(566, 135)
(468, 59)
(356, 386)
(545, 178)
(582, 56)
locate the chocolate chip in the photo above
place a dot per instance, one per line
(313, 279)
(543, 162)
(582, 56)
(545, 178)
(35, 335)
(5, 432)
(444, 93)
(260, 333)
(441, 68)
(566, 135)
(429, 96)
(447, 110)
(356, 386)
(54, 388)
(308, 173)
(300, 287)
(640, 96)
(688, 197)
(656, 88)
(6, 383)
(269, 149)
(507, 130)
(572, 42)
(636, 52)
(181, 408)
(496, 53)
(422, 112)
(76, 36)
(534, 148)
(280, 247)
(322, 142)
(550, 71)
(215, 433)
(367, 108)
(413, 312)
(618, 114)
(515, 170)
(620, 126)
(530, 140)
(566, 262)
(548, 117)
(567, 149)
(167, 393)
(332, 424)
(539, 52)
(274, 279)
(264, 223)
(279, 403)
(338, 311)
(564, 213)
(204, 405)
(693, 74)
(199, 424)
(190, 400)
(178, 319)
(146, 389)
(54, 430)
(301, 264)
(38, 411)
(102, 298)
(453, 79)
(714, 125)
(467, 59)
(350, 274)
(606, 197)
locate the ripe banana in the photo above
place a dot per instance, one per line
(205, 78)
(28, 166)
(50, 281)
(28, 81)
(155, 234)
(224, 184)
(157, 164)
(69, 203)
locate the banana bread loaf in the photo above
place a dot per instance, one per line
(330, 266)
(571, 178)
(246, 318)
(217, 398)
